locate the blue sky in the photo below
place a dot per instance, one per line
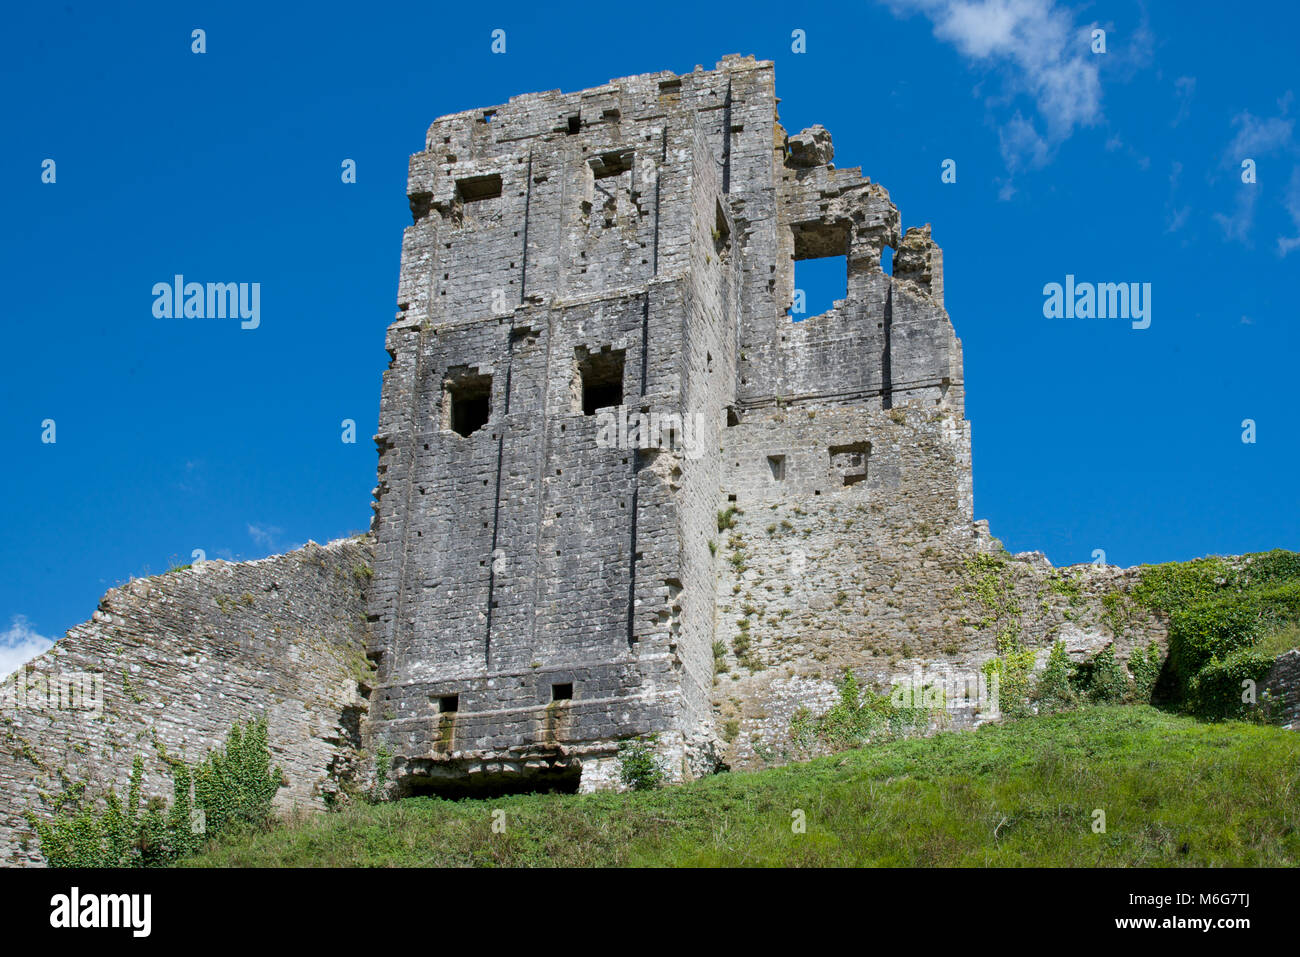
(174, 435)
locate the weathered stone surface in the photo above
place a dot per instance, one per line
(811, 147)
(1281, 690)
(183, 656)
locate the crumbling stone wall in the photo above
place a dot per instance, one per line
(860, 560)
(180, 658)
(1282, 687)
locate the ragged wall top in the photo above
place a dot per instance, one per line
(514, 172)
(601, 150)
(178, 659)
(889, 341)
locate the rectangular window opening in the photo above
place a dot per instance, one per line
(472, 189)
(818, 283)
(776, 464)
(850, 461)
(448, 703)
(599, 378)
(562, 692)
(467, 400)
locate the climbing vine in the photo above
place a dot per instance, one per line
(230, 788)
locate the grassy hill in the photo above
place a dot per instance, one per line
(1175, 791)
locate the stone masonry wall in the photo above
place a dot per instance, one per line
(184, 655)
(532, 553)
(1282, 687)
(818, 576)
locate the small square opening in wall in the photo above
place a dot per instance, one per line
(562, 691)
(776, 465)
(467, 400)
(475, 188)
(599, 379)
(448, 703)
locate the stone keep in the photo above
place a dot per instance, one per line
(593, 371)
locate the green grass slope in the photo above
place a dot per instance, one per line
(1175, 791)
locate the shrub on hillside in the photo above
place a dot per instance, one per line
(1220, 689)
(232, 787)
(859, 716)
(1145, 667)
(1208, 630)
(638, 764)
(1055, 690)
(1218, 615)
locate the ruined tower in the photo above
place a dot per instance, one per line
(593, 358)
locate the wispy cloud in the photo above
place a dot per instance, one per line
(264, 536)
(1257, 138)
(1236, 225)
(1176, 216)
(1041, 53)
(20, 644)
(1291, 201)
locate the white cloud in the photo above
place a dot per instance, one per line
(264, 536)
(1046, 57)
(1256, 137)
(20, 644)
(1021, 145)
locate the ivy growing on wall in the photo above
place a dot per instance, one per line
(1219, 613)
(230, 789)
(858, 717)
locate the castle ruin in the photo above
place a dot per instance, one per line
(621, 491)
